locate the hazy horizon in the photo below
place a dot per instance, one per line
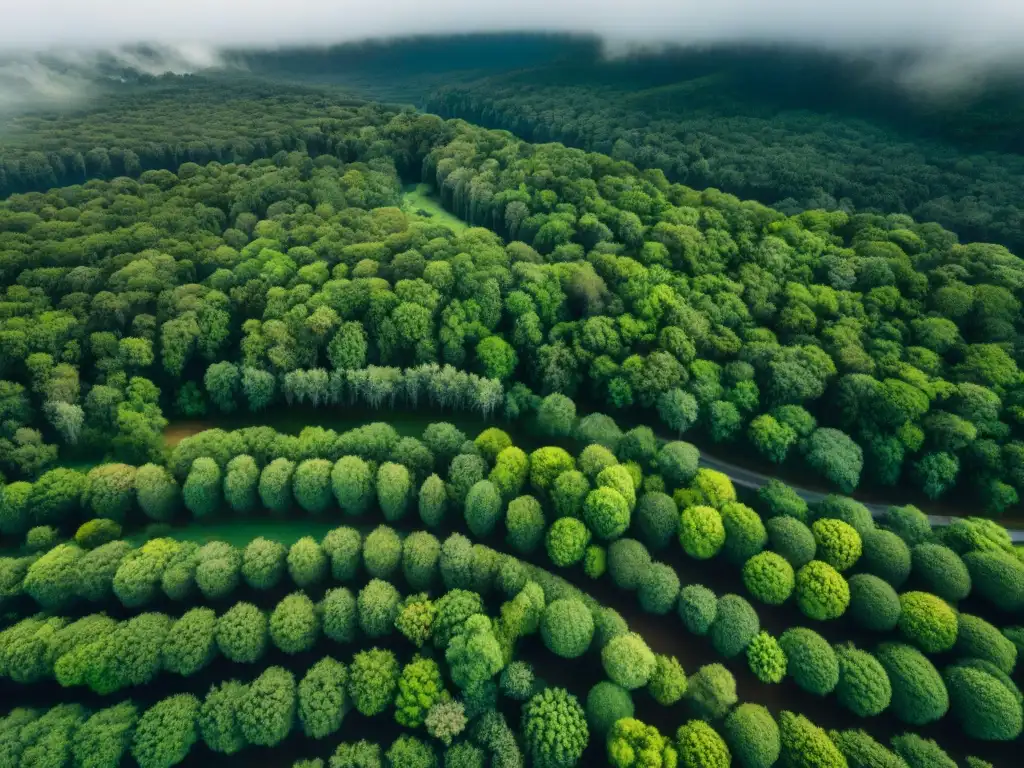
(51, 50)
(985, 27)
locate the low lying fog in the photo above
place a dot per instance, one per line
(982, 25)
(46, 45)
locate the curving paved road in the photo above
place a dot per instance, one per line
(750, 479)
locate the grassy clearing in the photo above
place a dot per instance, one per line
(80, 463)
(293, 420)
(418, 200)
(241, 532)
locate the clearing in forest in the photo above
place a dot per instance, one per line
(419, 200)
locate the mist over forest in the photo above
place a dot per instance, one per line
(51, 49)
(810, 110)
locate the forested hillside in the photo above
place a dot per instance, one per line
(794, 129)
(564, 584)
(835, 340)
(407, 69)
(779, 133)
(159, 123)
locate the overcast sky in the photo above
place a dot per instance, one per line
(964, 40)
(984, 27)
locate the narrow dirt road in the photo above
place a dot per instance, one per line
(748, 478)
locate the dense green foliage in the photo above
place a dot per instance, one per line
(752, 735)
(978, 639)
(607, 703)
(242, 633)
(766, 658)
(322, 698)
(266, 712)
(985, 707)
(790, 128)
(700, 746)
(382, 552)
(811, 662)
(821, 591)
(524, 521)
(701, 532)
(846, 510)
(804, 745)
(474, 653)
(166, 732)
(628, 563)
(668, 681)
(887, 556)
(378, 604)
(105, 737)
(918, 693)
(711, 692)
(656, 520)
(567, 628)
(566, 541)
(862, 751)
(838, 543)
(745, 534)
(792, 539)
(294, 624)
(864, 686)
(611, 275)
(849, 345)
(420, 687)
(632, 744)
(736, 623)
(874, 604)
(554, 729)
(517, 680)
(628, 661)
(769, 578)
(373, 680)
(941, 571)
(421, 553)
(190, 643)
(698, 608)
(218, 718)
(919, 752)
(659, 589)
(606, 513)
(927, 622)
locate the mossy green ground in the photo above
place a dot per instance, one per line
(419, 200)
(293, 420)
(241, 532)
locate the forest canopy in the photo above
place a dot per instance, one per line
(769, 128)
(861, 346)
(566, 328)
